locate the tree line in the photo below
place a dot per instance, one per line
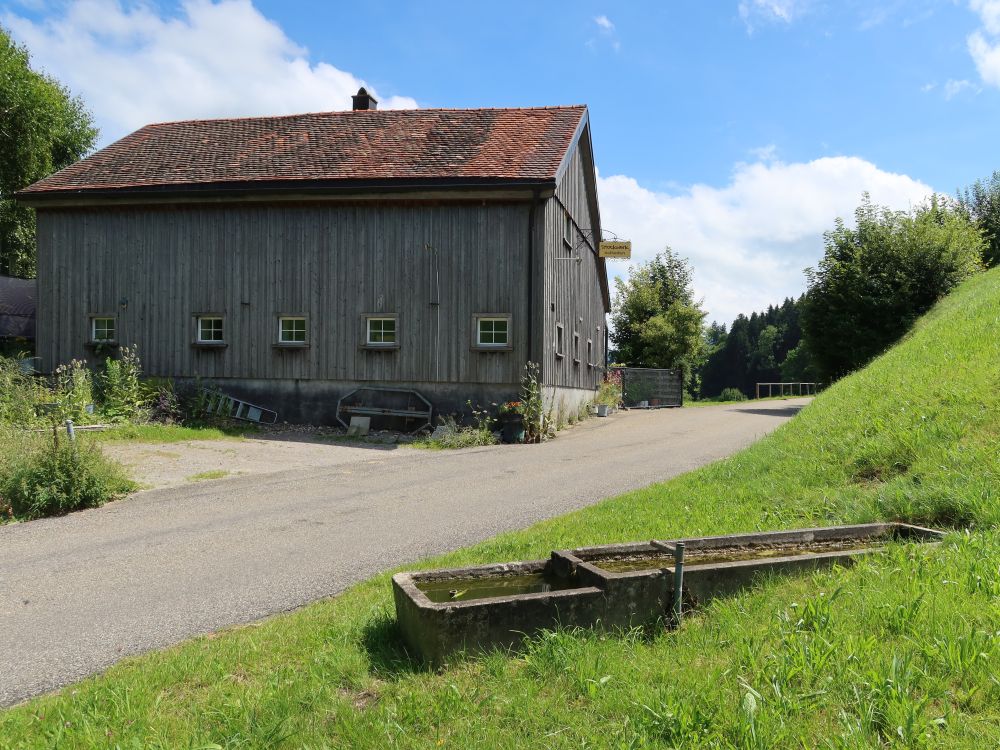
(876, 277)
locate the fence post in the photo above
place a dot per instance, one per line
(678, 582)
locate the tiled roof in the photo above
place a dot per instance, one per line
(410, 145)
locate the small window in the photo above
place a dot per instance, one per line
(493, 332)
(568, 230)
(590, 353)
(291, 330)
(210, 330)
(102, 329)
(381, 332)
(576, 348)
(560, 350)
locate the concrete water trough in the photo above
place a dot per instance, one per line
(441, 612)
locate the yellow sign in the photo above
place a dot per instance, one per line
(616, 249)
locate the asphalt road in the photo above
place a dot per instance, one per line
(80, 592)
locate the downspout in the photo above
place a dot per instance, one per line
(535, 200)
(607, 356)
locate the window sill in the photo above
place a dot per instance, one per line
(380, 347)
(290, 345)
(480, 348)
(102, 344)
(209, 344)
(560, 355)
(576, 361)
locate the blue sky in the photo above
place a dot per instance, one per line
(735, 131)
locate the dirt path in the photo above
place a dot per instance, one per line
(159, 465)
(83, 591)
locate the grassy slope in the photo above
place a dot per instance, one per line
(901, 648)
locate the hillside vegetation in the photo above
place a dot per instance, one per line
(899, 650)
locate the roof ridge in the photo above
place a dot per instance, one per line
(364, 113)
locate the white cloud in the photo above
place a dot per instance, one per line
(953, 88)
(750, 240)
(753, 12)
(134, 65)
(984, 44)
(607, 30)
(766, 153)
(989, 12)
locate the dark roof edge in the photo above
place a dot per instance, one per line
(277, 187)
(590, 180)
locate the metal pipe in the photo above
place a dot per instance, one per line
(535, 202)
(69, 431)
(678, 581)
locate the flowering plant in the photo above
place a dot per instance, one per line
(610, 391)
(510, 407)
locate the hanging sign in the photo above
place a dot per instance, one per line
(616, 249)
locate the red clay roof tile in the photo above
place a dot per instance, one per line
(440, 144)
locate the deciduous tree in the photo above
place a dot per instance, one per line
(876, 278)
(981, 202)
(656, 320)
(43, 128)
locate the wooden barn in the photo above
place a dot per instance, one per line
(290, 260)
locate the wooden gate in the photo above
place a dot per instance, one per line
(651, 388)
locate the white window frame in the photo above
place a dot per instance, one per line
(368, 343)
(477, 340)
(197, 329)
(93, 329)
(590, 352)
(281, 330)
(560, 341)
(576, 347)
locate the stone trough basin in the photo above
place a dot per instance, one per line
(441, 612)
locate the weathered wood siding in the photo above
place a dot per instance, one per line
(572, 290)
(155, 269)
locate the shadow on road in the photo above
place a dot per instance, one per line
(777, 411)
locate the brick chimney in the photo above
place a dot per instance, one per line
(364, 100)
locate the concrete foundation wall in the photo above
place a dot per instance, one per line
(315, 401)
(567, 400)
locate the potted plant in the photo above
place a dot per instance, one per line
(511, 414)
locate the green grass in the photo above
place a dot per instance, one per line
(716, 402)
(900, 650)
(207, 475)
(163, 433)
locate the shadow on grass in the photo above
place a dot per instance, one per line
(388, 656)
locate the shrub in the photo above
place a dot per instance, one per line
(610, 392)
(74, 390)
(58, 477)
(532, 406)
(18, 394)
(455, 435)
(161, 401)
(121, 393)
(732, 394)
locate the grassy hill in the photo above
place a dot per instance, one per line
(901, 649)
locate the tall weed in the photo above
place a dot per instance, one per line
(53, 477)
